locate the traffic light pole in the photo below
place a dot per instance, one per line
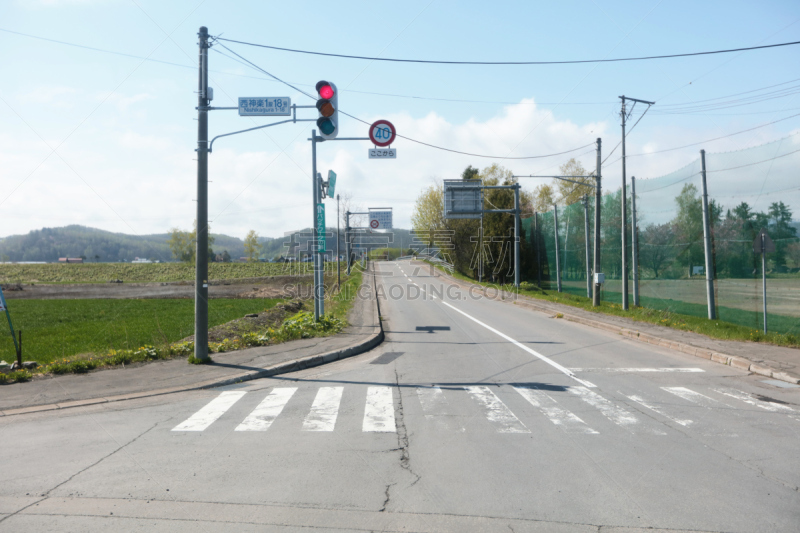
(201, 254)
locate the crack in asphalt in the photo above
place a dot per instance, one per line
(46, 494)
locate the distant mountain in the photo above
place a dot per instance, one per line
(48, 244)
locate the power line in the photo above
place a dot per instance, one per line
(570, 62)
(253, 65)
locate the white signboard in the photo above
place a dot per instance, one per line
(265, 106)
(379, 220)
(383, 153)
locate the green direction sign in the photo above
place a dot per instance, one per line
(331, 184)
(321, 227)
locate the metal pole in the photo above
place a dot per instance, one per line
(320, 270)
(201, 254)
(314, 243)
(624, 274)
(764, 279)
(338, 253)
(538, 246)
(555, 226)
(598, 202)
(19, 350)
(586, 241)
(347, 238)
(480, 251)
(516, 236)
(712, 309)
(634, 244)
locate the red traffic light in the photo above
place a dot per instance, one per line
(325, 90)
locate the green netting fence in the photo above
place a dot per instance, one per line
(748, 190)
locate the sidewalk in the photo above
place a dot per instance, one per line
(768, 360)
(176, 375)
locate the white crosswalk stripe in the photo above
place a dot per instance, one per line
(557, 415)
(496, 410)
(325, 409)
(211, 412)
(379, 410)
(267, 411)
(438, 409)
(751, 400)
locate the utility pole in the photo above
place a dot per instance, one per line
(598, 202)
(712, 310)
(586, 241)
(516, 235)
(338, 253)
(625, 115)
(558, 266)
(634, 244)
(201, 254)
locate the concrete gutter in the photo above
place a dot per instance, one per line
(374, 339)
(740, 363)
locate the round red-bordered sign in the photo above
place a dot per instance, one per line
(382, 133)
(374, 224)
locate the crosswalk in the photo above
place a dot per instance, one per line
(572, 409)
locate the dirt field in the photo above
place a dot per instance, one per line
(270, 287)
(783, 295)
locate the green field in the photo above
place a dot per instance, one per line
(155, 272)
(53, 329)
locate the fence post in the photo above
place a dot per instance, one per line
(712, 310)
(538, 247)
(555, 226)
(586, 239)
(634, 244)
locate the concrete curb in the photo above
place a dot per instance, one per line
(736, 362)
(302, 363)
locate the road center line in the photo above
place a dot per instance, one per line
(547, 360)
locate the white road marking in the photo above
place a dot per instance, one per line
(750, 400)
(626, 370)
(558, 416)
(618, 415)
(211, 412)
(650, 406)
(379, 410)
(547, 360)
(692, 396)
(434, 405)
(324, 410)
(267, 411)
(497, 411)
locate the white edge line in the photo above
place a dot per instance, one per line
(547, 360)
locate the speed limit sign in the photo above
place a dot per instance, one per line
(374, 224)
(382, 133)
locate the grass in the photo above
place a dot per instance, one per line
(154, 272)
(300, 325)
(55, 329)
(670, 315)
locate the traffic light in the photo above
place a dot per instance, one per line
(328, 107)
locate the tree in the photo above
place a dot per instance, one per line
(656, 249)
(226, 257)
(544, 197)
(428, 215)
(569, 192)
(183, 244)
(251, 247)
(470, 173)
(780, 217)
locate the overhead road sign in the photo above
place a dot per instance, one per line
(380, 218)
(265, 106)
(463, 198)
(382, 133)
(383, 153)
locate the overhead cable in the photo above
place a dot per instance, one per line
(569, 62)
(253, 65)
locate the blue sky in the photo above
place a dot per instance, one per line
(108, 141)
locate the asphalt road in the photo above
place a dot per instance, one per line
(474, 415)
